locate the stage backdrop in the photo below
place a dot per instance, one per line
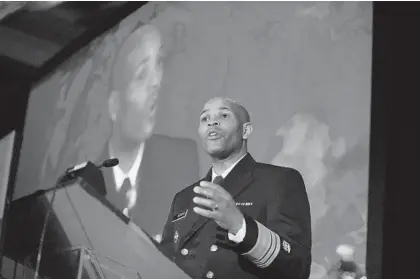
(302, 70)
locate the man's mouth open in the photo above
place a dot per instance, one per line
(213, 135)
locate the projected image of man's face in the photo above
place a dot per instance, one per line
(143, 75)
(142, 91)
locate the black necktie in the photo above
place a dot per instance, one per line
(218, 180)
(122, 200)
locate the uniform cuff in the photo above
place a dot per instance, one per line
(260, 245)
(250, 237)
(266, 248)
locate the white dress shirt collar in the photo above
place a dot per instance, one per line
(227, 171)
(120, 175)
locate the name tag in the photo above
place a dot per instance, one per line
(180, 216)
(244, 204)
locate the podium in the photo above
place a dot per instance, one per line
(85, 235)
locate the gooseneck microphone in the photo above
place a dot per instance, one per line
(109, 163)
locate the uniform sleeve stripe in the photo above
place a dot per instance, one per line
(267, 252)
(266, 248)
(274, 252)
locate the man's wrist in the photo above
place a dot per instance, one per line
(235, 230)
(238, 226)
(239, 235)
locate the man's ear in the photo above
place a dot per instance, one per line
(247, 130)
(113, 105)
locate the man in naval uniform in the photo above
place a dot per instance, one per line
(244, 219)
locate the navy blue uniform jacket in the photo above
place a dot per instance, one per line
(277, 243)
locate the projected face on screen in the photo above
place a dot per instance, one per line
(136, 79)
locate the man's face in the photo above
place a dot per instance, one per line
(139, 99)
(220, 129)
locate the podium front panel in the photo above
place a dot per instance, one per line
(81, 218)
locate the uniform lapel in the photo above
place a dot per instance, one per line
(188, 228)
(240, 177)
(235, 183)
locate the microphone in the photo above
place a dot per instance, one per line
(108, 163)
